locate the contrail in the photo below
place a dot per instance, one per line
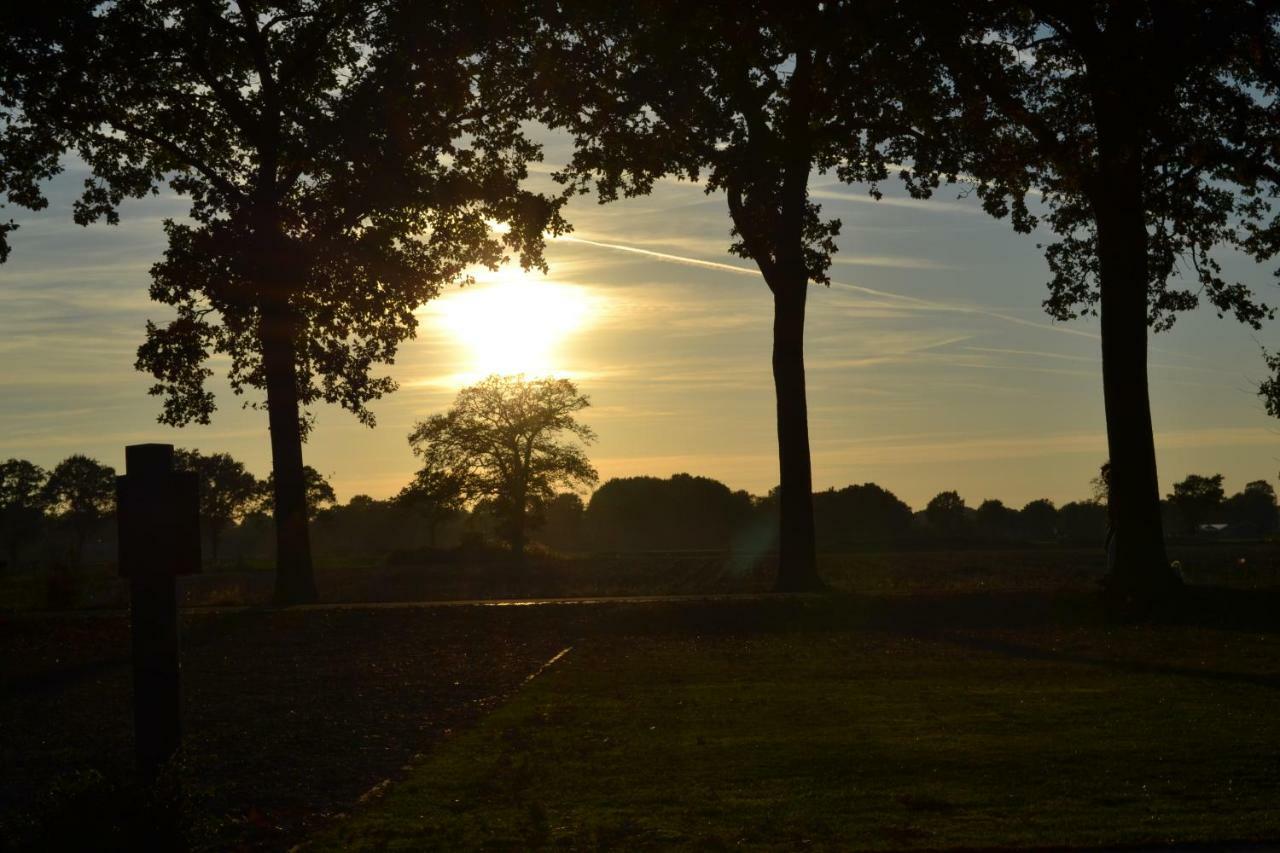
(923, 304)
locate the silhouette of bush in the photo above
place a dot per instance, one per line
(680, 513)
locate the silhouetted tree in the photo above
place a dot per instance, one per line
(681, 512)
(81, 493)
(946, 513)
(563, 522)
(228, 492)
(1254, 509)
(755, 97)
(1136, 123)
(1100, 486)
(1083, 521)
(995, 521)
(510, 440)
(1197, 499)
(341, 171)
(856, 515)
(435, 496)
(1038, 520)
(1269, 388)
(365, 528)
(319, 492)
(29, 154)
(22, 505)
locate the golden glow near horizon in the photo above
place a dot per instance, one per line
(512, 321)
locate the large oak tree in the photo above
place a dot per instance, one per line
(1146, 131)
(344, 161)
(510, 441)
(755, 99)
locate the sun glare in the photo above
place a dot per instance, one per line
(514, 322)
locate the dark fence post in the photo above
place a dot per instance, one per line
(157, 512)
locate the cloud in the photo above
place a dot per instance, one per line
(1011, 447)
(903, 300)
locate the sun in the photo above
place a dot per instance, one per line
(513, 322)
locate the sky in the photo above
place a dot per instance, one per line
(931, 364)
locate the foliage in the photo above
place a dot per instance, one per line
(228, 492)
(1029, 79)
(945, 513)
(994, 520)
(783, 91)
(28, 154)
(1100, 486)
(682, 512)
(510, 440)
(563, 519)
(434, 495)
(344, 162)
(1253, 511)
(1269, 388)
(22, 504)
(859, 514)
(1082, 521)
(1147, 133)
(319, 491)
(1038, 520)
(337, 158)
(81, 493)
(1197, 499)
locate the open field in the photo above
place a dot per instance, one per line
(875, 739)
(1248, 564)
(981, 712)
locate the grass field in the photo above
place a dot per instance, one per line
(872, 739)
(950, 700)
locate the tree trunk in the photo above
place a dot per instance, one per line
(295, 580)
(1140, 574)
(797, 564)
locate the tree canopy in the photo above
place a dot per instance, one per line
(22, 504)
(344, 161)
(512, 441)
(1197, 498)
(682, 512)
(753, 98)
(81, 493)
(435, 496)
(228, 491)
(1146, 130)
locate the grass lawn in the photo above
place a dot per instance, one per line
(878, 737)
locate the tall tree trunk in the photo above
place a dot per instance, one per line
(797, 564)
(295, 580)
(1140, 573)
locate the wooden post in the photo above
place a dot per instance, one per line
(157, 512)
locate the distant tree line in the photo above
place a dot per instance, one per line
(64, 517)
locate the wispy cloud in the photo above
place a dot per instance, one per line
(917, 302)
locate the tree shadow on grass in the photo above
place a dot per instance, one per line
(1028, 652)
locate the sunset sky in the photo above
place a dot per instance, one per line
(931, 365)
